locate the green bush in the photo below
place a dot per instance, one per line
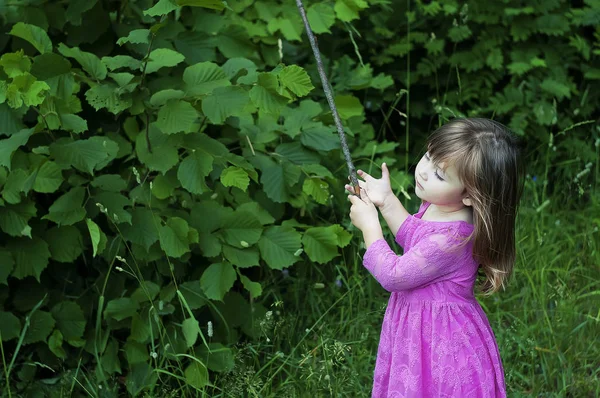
(163, 163)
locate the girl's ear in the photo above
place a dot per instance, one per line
(467, 201)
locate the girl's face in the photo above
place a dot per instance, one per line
(438, 185)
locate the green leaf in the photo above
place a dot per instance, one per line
(121, 308)
(147, 292)
(164, 153)
(84, 155)
(10, 326)
(115, 204)
(278, 245)
(55, 343)
(241, 229)
(193, 294)
(347, 10)
(65, 243)
(202, 78)
(217, 279)
(142, 230)
(348, 106)
(122, 61)
(296, 80)
(177, 116)
(193, 171)
(219, 357)
(254, 288)
(556, 88)
(41, 324)
(320, 137)
(267, 100)
(74, 123)
(70, 319)
(163, 58)
(15, 64)
(191, 329)
(88, 61)
(48, 178)
(223, 102)
(7, 264)
(26, 90)
(15, 184)
(242, 258)
(196, 375)
(163, 7)
(174, 237)
(14, 219)
(110, 182)
(235, 177)
(321, 17)
(212, 4)
(68, 209)
(317, 189)
(49, 65)
(94, 230)
(10, 145)
(35, 35)
(321, 243)
(136, 36)
(31, 256)
(160, 98)
(107, 96)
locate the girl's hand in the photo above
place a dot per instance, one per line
(363, 213)
(378, 190)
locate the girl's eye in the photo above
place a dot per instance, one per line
(438, 176)
(426, 156)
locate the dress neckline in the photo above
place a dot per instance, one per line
(463, 225)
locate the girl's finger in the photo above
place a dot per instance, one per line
(364, 175)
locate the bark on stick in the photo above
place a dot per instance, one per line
(329, 95)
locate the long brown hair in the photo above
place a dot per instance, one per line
(486, 156)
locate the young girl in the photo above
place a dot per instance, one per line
(436, 340)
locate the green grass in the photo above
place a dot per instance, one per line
(322, 342)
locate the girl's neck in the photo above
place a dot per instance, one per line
(458, 212)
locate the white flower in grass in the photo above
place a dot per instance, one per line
(119, 269)
(210, 329)
(154, 355)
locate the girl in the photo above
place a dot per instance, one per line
(436, 340)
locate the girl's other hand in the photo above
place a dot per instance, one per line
(378, 190)
(363, 213)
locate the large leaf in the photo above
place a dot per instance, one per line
(65, 243)
(41, 324)
(242, 229)
(212, 4)
(278, 246)
(34, 35)
(196, 375)
(235, 177)
(143, 229)
(174, 239)
(220, 358)
(69, 319)
(202, 78)
(10, 326)
(163, 58)
(31, 256)
(10, 145)
(295, 79)
(241, 257)
(121, 308)
(68, 209)
(48, 178)
(224, 102)
(193, 171)
(162, 7)
(176, 116)
(321, 243)
(164, 153)
(85, 155)
(14, 219)
(190, 329)
(88, 61)
(321, 17)
(217, 279)
(6, 266)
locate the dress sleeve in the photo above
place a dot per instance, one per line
(428, 261)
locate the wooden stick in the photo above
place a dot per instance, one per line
(329, 95)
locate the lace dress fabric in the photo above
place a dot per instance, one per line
(435, 339)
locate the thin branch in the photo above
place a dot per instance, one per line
(329, 95)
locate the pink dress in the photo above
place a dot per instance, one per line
(435, 339)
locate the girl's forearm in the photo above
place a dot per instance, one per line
(394, 213)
